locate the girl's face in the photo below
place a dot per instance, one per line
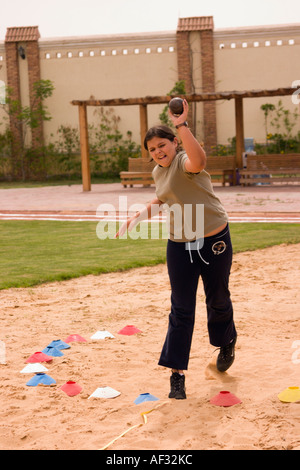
(162, 150)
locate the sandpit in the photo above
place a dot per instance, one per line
(264, 286)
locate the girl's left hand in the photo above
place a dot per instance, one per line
(183, 117)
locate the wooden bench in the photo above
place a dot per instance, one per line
(222, 169)
(271, 168)
(139, 172)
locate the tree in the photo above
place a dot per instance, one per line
(178, 89)
(267, 108)
(24, 119)
(283, 121)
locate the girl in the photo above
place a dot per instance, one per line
(181, 180)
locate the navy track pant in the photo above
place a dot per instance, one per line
(212, 263)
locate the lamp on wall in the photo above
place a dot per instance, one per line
(21, 51)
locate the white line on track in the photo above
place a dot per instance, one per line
(119, 218)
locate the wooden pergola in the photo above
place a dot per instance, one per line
(238, 97)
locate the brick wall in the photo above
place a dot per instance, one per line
(185, 67)
(28, 37)
(34, 74)
(13, 83)
(208, 86)
(203, 26)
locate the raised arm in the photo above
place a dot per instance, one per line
(196, 155)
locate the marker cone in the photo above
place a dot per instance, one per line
(102, 335)
(41, 379)
(39, 357)
(71, 388)
(145, 397)
(225, 398)
(290, 395)
(33, 368)
(105, 392)
(75, 338)
(59, 344)
(51, 351)
(129, 330)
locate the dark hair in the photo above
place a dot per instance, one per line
(164, 132)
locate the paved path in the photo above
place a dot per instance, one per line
(260, 203)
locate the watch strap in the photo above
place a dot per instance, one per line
(182, 124)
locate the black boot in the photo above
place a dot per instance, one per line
(226, 356)
(177, 382)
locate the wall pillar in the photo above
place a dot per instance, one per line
(185, 68)
(203, 25)
(34, 75)
(13, 83)
(208, 86)
(21, 87)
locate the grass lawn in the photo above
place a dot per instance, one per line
(55, 182)
(33, 252)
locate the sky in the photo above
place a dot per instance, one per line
(64, 18)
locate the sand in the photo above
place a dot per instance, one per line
(265, 292)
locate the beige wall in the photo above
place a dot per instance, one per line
(132, 66)
(150, 68)
(243, 61)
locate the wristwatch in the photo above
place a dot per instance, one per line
(182, 124)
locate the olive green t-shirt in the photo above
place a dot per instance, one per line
(194, 209)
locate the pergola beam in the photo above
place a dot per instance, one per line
(190, 98)
(238, 96)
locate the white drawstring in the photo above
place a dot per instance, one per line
(190, 252)
(206, 262)
(191, 258)
(198, 249)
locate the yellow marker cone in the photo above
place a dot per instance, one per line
(290, 395)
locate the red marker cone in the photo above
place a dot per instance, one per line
(39, 357)
(71, 388)
(225, 398)
(129, 330)
(75, 338)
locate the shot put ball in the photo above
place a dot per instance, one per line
(176, 106)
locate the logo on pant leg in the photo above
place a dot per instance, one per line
(218, 247)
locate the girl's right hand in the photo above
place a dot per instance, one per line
(127, 225)
(183, 117)
(144, 213)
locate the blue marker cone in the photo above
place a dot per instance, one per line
(40, 379)
(51, 351)
(145, 397)
(58, 344)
